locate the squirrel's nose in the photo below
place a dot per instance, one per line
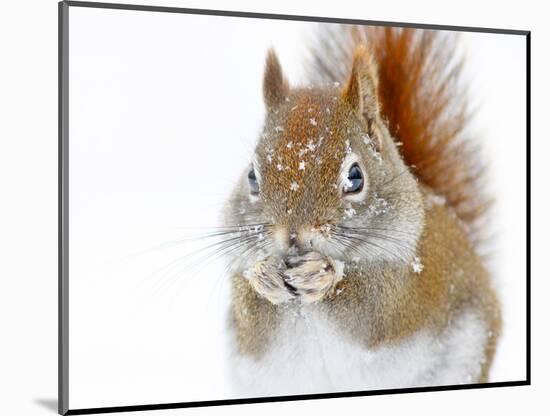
(284, 238)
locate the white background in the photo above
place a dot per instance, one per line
(29, 170)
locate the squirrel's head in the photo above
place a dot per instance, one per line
(326, 175)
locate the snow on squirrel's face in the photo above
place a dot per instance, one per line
(320, 183)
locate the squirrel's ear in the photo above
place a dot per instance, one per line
(361, 88)
(275, 85)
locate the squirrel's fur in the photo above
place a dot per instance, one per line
(323, 279)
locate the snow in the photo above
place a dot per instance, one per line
(348, 147)
(339, 267)
(417, 265)
(350, 212)
(325, 228)
(309, 351)
(379, 206)
(347, 184)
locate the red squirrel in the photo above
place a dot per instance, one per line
(356, 225)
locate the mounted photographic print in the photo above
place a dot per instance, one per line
(269, 207)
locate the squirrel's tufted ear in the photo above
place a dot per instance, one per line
(275, 85)
(362, 86)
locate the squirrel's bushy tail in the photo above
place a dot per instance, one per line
(423, 103)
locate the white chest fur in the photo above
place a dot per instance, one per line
(310, 356)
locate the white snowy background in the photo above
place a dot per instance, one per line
(164, 112)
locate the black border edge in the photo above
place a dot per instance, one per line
(63, 201)
(528, 189)
(226, 13)
(168, 406)
(63, 300)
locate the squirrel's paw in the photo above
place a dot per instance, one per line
(312, 276)
(266, 277)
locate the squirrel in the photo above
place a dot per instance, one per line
(357, 225)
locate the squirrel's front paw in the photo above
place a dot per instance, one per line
(312, 276)
(266, 277)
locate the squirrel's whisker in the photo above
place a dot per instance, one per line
(351, 243)
(367, 232)
(361, 229)
(347, 245)
(227, 242)
(370, 242)
(238, 260)
(221, 231)
(216, 251)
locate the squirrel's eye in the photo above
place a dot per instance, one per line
(253, 182)
(354, 181)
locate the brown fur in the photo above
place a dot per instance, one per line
(253, 316)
